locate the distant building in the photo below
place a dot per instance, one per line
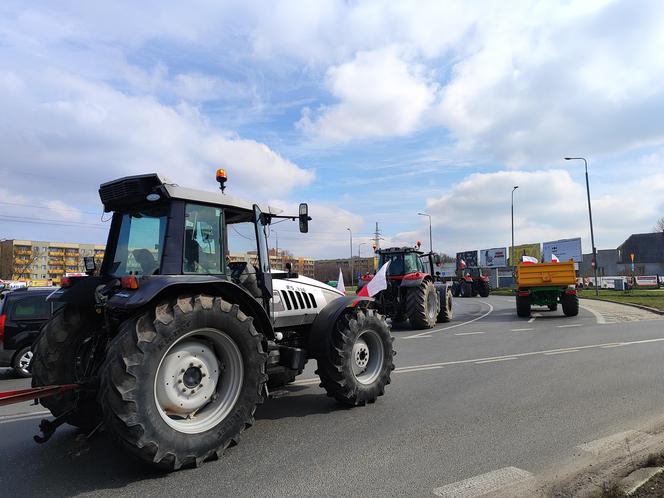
(300, 264)
(328, 269)
(648, 250)
(40, 261)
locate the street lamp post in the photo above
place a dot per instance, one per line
(430, 235)
(590, 215)
(359, 246)
(351, 255)
(513, 255)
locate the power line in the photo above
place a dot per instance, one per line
(47, 207)
(39, 221)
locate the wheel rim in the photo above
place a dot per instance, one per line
(431, 305)
(24, 361)
(198, 381)
(368, 357)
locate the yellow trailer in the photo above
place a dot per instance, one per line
(546, 284)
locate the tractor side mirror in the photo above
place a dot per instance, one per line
(436, 259)
(89, 264)
(304, 217)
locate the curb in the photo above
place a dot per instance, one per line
(633, 305)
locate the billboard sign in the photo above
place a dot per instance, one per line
(532, 250)
(564, 249)
(493, 258)
(469, 257)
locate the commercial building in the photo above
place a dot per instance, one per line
(328, 269)
(648, 251)
(299, 264)
(44, 262)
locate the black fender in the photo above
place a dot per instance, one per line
(82, 292)
(415, 282)
(318, 344)
(169, 286)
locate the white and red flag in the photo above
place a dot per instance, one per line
(340, 282)
(529, 260)
(376, 284)
(554, 258)
(462, 264)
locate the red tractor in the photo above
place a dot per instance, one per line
(470, 282)
(412, 294)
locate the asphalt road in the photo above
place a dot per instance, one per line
(484, 392)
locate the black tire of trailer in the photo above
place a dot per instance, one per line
(553, 307)
(335, 369)
(523, 306)
(418, 306)
(127, 392)
(570, 304)
(56, 352)
(466, 289)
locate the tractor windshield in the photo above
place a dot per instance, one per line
(140, 243)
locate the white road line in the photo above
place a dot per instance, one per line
(6, 419)
(493, 361)
(484, 483)
(562, 352)
(598, 316)
(520, 330)
(455, 325)
(418, 337)
(568, 326)
(531, 320)
(469, 333)
(430, 366)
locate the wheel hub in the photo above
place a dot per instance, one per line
(367, 357)
(361, 354)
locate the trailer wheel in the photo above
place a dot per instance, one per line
(358, 366)
(570, 303)
(58, 358)
(466, 289)
(423, 305)
(182, 381)
(523, 306)
(446, 311)
(553, 307)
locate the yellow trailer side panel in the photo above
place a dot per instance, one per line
(545, 274)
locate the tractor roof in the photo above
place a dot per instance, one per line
(129, 191)
(394, 250)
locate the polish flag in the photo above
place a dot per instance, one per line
(340, 282)
(377, 284)
(462, 264)
(529, 260)
(554, 258)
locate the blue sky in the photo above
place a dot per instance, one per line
(368, 110)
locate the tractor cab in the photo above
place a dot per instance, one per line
(404, 261)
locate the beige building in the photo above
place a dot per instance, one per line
(41, 261)
(300, 264)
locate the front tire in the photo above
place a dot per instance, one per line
(423, 306)
(358, 365)
(446, 311)
(523, 306)
(58, 358)
(182, 381)
(484, 289)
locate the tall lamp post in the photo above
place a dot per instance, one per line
(590, 215)
(359, 247)
(513, 258)
(430, 236)
(351, 255)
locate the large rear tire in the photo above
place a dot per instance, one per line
(58, 358)
(523, 306)
(358, 366)
(182, 381)
(570, 303)
(466, 289)
(456, 289)
(422, 306)
(446, 311)
(483, 288)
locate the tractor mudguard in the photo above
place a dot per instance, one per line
(150, 290)
(414, 279)
(318, 344)
(82, 292)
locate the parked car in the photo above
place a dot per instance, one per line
(22, 313)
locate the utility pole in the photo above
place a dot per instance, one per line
(430, 234)
(351, 255)
(590, 215)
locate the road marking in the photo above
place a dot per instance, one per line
(568, 326)
(418, 337)
(531, 320)
(484, 483)
(562, 352)
(453, 326)
(6, 419)
(493, 361)
(468, 333)
(431, 366)
(520, 330)
(612, 442)
(598, 316)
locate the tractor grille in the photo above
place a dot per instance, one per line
(298, 300)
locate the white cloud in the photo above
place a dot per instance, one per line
(549, 205)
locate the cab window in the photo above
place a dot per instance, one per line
(203, 252)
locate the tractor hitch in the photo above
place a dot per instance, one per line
(48, 427)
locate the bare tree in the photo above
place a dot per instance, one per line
(659, 225)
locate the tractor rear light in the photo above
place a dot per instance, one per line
(129, 282)
(66, 282)
(2, 328)
(570, 292)
(523, 293)
(414, 276)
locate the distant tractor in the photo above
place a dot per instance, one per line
(470, 282)
(171, 344)
(546, 284)
(412, 293)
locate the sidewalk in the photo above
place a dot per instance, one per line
(612, 312)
